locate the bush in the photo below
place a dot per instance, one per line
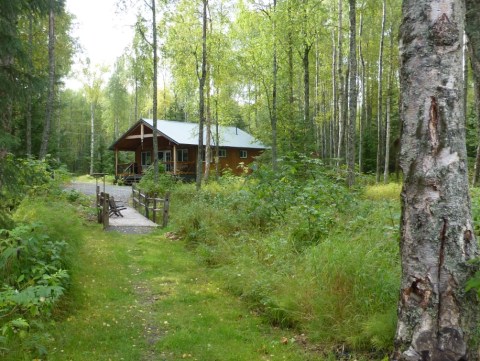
(36, 255)
(300, 249)
(34, 278)
(165, 183)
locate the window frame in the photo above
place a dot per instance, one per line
(182, 155)
(222, 153)
(243, 154)
(143, 158)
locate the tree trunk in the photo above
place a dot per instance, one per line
(308, 124)
(51, 82)
(362, 109)
(155, 95)
(436, 317)
(217, 140)
(28, 131)
(341, 94)
(208, 133)
(352, 95)
(473, 32)
(334, 130)
(388, 118)
(291, 99)
(273, 119)
(201, 103)
(379, 96)
(92, 136)
(319, 128)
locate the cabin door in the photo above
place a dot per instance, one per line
(165, 157)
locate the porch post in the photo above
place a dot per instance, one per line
(174, 159)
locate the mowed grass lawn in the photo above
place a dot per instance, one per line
(145, 297)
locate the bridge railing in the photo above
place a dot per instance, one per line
(154, 207)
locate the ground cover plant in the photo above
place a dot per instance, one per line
(302, 250)
(36, 252)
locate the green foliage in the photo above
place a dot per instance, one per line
(300, 249)
(36, 255)
(18, 178)
(165, 183)
(33, 271)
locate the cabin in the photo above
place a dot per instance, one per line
(178, 148)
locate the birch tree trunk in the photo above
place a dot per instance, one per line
(386, 168)
(208, 132)
(472, 28)
(201, 90)
(92, 136)
(51, 82)
(273, 119)
(363, 94)
(379, 95)
(334, 130)
(308, 123)
(436, 317)
(341, 119)
(352, 95)
(155, 93)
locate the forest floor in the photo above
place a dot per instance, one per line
(145, 297)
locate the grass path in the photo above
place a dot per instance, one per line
(144, 297)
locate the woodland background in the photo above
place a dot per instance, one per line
(310, 42)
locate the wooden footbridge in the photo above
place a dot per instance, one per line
(119, 216)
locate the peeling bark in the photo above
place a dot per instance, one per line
(436, 318)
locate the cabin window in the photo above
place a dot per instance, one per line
(243, 154)
(182, 155)
(146, 159)
(165, 157)
(222, 153)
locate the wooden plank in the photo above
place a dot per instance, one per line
(166, 206)
(105, 215)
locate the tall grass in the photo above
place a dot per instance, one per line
(302, 250)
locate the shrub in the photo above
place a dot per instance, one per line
(300, 249)
(165, 183)
(34, 278)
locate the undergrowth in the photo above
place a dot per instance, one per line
(37, 252)
(302, 250)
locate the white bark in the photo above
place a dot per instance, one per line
(436, 316)
(352, 95)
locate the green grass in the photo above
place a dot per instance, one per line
(237, 286)
(138, 297)
(87, 178)
(338, 284)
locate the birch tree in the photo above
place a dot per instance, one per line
(93, 87)
(380, 94)
(436, 317)
(155, 94)
(202, 76)
(352, 95)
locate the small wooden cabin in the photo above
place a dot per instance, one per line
(178, 148)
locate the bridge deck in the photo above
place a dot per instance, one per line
(131, 222)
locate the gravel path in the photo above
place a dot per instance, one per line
(120, 193)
